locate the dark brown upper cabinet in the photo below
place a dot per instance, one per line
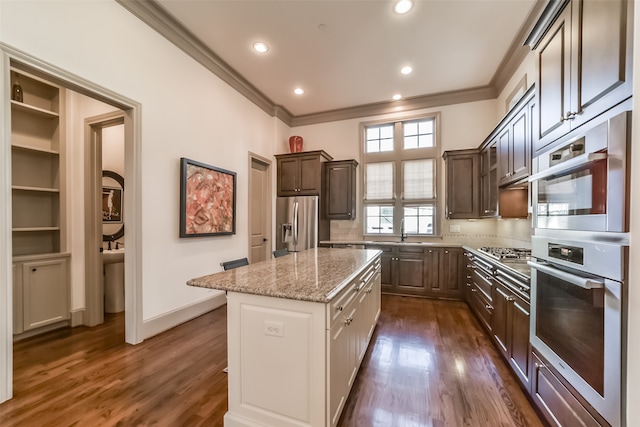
(300, 174)
(584, 63)
(489, 180)
(340, 184)
(514, 142)
(462, 184)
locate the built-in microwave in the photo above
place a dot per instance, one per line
(582, 180)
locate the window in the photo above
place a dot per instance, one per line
(400, 177)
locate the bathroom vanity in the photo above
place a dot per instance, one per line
(298, 328)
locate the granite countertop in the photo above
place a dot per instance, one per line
(373, 242)
(315, 275)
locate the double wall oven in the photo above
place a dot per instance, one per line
(579, 261)
(582, 181)
(577, 316)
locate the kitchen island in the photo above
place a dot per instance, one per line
(298, 327)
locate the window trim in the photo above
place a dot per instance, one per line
(397, 156)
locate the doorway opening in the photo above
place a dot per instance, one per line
(57, 221)
(260, 242)
(104, 225)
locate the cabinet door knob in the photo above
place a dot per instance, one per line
(340, 307)
(33, 270)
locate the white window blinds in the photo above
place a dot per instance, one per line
(379, 181)
(418, 179)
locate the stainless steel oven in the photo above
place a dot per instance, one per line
(581, 180)
(577, 316)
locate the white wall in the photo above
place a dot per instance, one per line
(78, 108)
(527, 70)
(461, 126)
(186, 112)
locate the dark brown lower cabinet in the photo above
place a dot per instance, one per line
(408, 270)
(555, 400)
(510, 329)
(418, 271)
(499, 301)
(452, 265)
(386, 259)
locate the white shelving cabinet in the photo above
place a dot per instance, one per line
(41, 283)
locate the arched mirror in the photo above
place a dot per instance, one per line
(112, 204)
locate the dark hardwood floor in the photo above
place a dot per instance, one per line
(429, 365)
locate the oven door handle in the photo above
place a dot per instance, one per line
(568, 166)
(583, 282)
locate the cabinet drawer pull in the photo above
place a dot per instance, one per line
(539, 365)
(488, 307)
(369, 290)
(340, 307)
(474, 290)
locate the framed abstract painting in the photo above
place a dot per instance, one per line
(207, 200)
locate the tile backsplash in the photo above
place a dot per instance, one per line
(474, 233)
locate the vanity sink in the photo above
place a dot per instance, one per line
(113, 256)
(113, 260)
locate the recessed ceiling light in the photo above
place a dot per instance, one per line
(298, 91)
(397, 97)
(403, 6)
(406, 70)
(260, 47)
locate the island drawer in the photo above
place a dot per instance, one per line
(341, 302)
(348, 294)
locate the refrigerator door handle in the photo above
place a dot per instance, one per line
(295, 222)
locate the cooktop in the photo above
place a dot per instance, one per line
(506, 253)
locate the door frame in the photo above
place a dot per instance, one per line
(94, 284)
(269, 214)
(132, 199)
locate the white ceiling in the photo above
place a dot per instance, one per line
(348, 53)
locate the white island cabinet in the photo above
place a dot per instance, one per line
(298, 329)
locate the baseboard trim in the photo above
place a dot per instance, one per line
(77, 317)
(41, 330)
(169, 320)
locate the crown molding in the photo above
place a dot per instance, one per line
(551, 11)
(152, 14)
(394, 107)
(517, 51)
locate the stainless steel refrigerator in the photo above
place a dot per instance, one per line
(297, 222)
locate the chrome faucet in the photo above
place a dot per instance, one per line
(403, 235)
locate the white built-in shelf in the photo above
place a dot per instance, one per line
(36, 149)
(37, 189)
(34, 229)
(34, 110)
